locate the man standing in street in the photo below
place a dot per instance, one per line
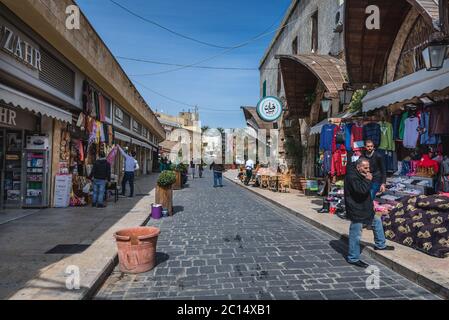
(377, 168)
(218, 174)
(192, 168)
(360, 210)
(249, 166)
(101, 173)
(130, 167)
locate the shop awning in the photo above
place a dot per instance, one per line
(122, 137)
(167, 145)
(301, 74)
(254, 121)
(316, 129)
(14, 98)
(367, 51)
(407, 88)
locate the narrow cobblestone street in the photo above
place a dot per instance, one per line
(227, 243)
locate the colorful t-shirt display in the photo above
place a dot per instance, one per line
(327, 137)
(386, 136)
(411, 133)
(357, 142)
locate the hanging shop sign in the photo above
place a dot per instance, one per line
(269, 109)
(15, 45)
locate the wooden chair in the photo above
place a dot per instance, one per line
(285, 183)
(265, 181)
(273, 183)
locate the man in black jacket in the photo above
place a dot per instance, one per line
(377, 168)
(101, 173)
(360, 210)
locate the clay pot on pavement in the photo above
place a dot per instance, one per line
(137, 249)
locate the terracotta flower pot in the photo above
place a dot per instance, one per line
(137, 249)
(164, 196)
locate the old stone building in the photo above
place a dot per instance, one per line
(303, 65)
(64, 84)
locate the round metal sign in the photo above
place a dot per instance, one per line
(269, 109)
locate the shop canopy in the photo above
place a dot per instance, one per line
(125, 138)
(254, 121)
(301, 74)
(367, 51)
(14, 98)
(316, 129)
(407, 88)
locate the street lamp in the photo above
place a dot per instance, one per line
(434, 54)
(346, 96)
(325, 105)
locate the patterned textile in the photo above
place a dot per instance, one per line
(421, 223)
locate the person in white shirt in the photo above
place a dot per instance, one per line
(130, 166)
(249, 166)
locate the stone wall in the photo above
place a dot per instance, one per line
(85, 49)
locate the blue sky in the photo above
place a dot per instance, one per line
(225, 23)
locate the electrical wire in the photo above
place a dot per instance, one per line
(183, 103)
(182, 65)
(167, 29)
(243, 44)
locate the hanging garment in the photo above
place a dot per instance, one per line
(396, 123)
(110, 135)
(98, 127)
(339, 137)
(386, 136)
(81, 121)
(327, 137)
(411, 133)
(402, 125)
(106, 133)
(427, 138)
(90, 124)
(371, 131)
(439, 119)
(87, 98)
(112, 156)
(81, 150)
(357, 142)
(348, 128)
(389, 160)
(102, 134)
(339, 162)
(102, 108)
(327, 162)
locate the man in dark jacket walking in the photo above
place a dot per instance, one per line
(218, 174)
(101, 173)
(360, 210)
(377, 168)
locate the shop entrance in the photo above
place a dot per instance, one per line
(11, 164)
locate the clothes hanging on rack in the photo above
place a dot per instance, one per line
(348, 127)
(411, 132)
(396, 121)
(327, 162)
(402, 125)
(439, 119)
(371, 131)
(424, 126)
(357, 142)
(339, 162)
(386, 136)
(327, 137)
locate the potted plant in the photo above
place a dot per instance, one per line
(164, 190)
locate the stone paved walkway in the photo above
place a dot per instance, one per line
(228, 243)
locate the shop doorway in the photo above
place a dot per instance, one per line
(11, 164)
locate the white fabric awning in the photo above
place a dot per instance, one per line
(123, 137)
(15, 98)
(409, 87)
(316, 129)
